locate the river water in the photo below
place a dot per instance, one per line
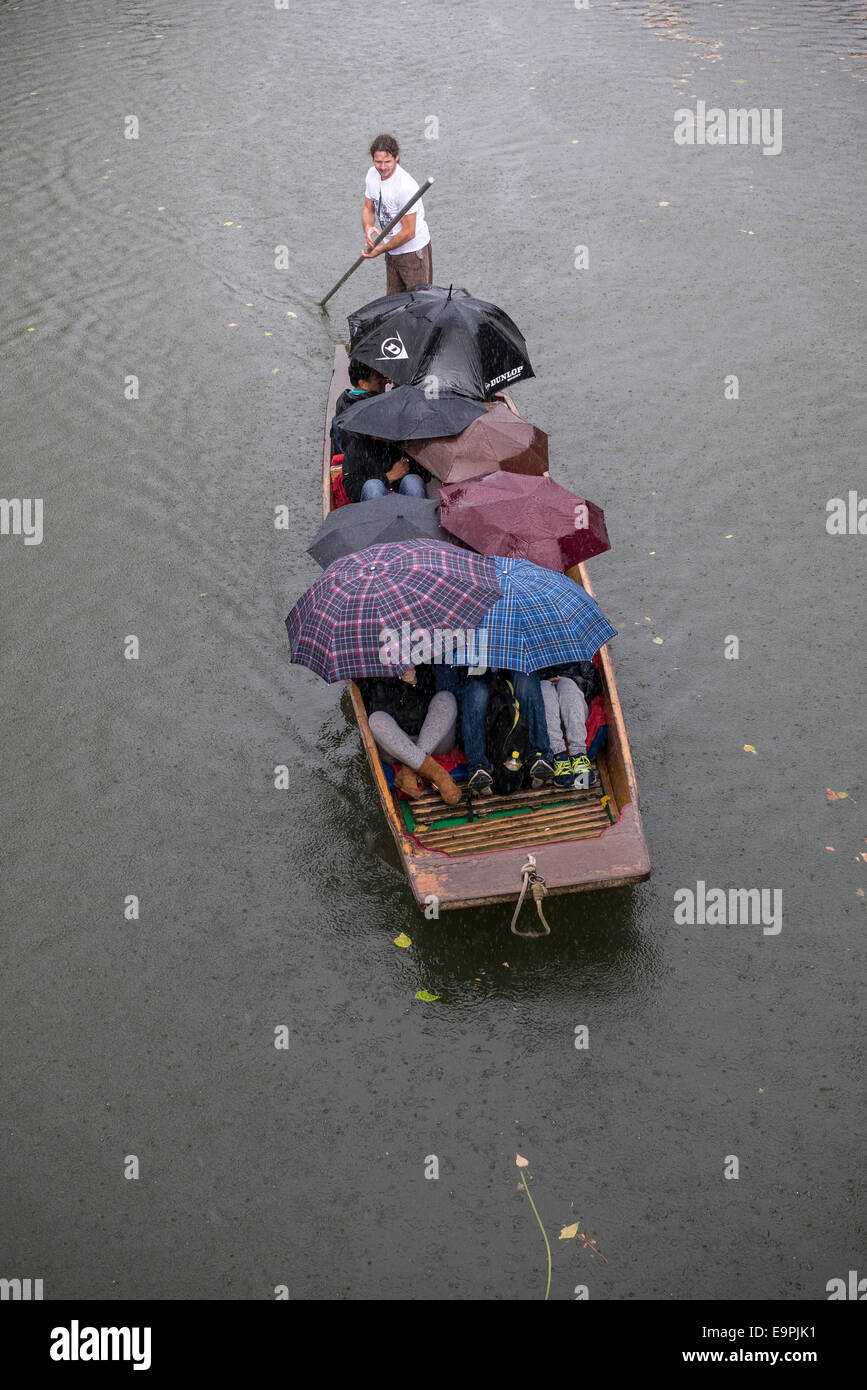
(153, 158)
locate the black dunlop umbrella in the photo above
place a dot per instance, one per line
(391, 518)
(445, 337)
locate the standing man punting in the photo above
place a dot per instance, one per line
(409, 260)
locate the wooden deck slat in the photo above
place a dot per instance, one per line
(513, 839)
(515, 830)
(505, 829)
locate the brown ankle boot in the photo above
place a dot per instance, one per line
(447, 788)
(407, 781)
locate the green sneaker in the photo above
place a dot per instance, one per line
(584, 772)
(563, 774)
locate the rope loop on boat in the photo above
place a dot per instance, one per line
(536, 883)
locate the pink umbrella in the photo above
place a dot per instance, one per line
(528, 518)
(499, 439)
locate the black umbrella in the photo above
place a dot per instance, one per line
(391, 518)
(461, 343)
(407, 413)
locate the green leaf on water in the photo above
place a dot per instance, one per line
(403, 940)
(658, 641)
(426, 996)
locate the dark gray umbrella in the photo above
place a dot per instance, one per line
(391, 518)
(407, 413)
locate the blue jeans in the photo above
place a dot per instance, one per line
(410, 486)
(472, 694)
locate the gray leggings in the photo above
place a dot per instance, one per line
(437, 734)
(565, 702)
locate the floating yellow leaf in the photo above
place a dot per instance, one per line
(665, 205)
(522, 1162)
(426, 996)
(748, 748)
(835, 796)
(228, 224)
(569, 1232)
(290, 315)
(274, 371)
(403, 940)
(658, 641)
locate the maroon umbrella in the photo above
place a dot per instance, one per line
(499, 439)
(529, 518)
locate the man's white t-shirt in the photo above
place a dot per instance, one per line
(388, 197)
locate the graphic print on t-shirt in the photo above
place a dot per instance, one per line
(388, 197)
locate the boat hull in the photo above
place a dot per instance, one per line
(580, 840)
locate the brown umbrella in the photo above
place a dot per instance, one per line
(497, 440)
(527, 518)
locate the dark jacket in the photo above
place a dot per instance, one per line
(346, 398)
(365, 457)
(407, 704)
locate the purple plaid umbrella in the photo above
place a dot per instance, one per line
(529, 518)
(371, 613)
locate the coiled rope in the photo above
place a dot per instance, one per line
(530, 879)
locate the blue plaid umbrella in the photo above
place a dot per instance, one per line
(543, 619)
(371, 613)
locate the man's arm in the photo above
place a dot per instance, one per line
(406, 233)
(368, 219)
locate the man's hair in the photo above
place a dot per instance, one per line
(387, 144)
(359, 371)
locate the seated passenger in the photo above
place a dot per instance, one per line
(372, 467)
(364, 381)
(472, 693)
(565, 691)
(410, 721)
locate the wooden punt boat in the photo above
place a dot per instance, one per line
(580, 839)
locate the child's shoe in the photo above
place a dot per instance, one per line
(563, 774)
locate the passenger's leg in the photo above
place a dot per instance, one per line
(397, 746)
(412, 486)
(440, 724)
(573, 711)
(373, 488)
(528, 690)
(552, 715)
(474, 703)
